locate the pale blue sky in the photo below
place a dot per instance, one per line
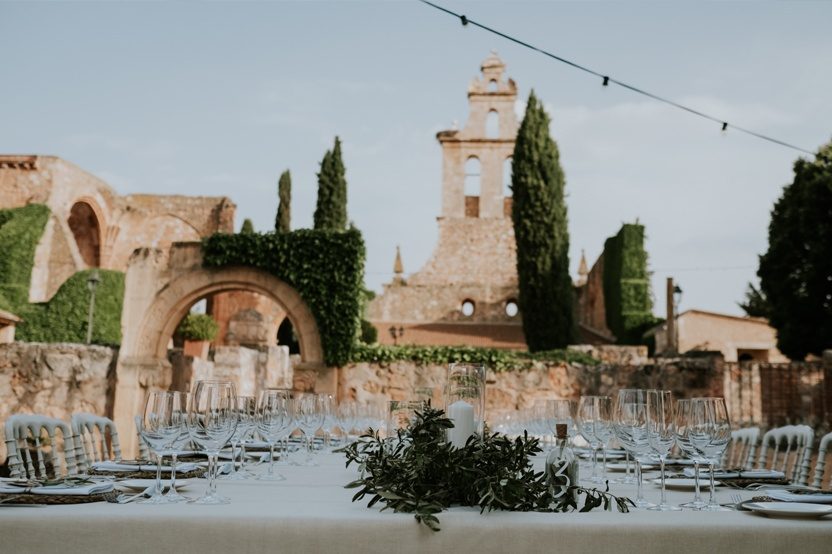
(219, 98)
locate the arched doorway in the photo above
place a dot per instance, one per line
(86, 228)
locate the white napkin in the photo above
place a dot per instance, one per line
(817, 497)
(117, 467)
(747, 474)
(92, 488)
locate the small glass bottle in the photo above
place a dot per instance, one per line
(562, 466)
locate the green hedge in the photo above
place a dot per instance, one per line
(627, 300)
(20, 232)
(64, 317)
(198, 327)
(325, 267)
(496, 360)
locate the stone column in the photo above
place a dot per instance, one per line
(134, 378)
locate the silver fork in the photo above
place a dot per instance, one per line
(737, 500)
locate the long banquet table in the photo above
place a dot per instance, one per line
(311, 511)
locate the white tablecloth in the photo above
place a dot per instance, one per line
(312, 512)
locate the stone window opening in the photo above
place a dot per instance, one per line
(468, 307)
(472, 187)
(86, 229)
(512, 309)
(492, 85)
(492, 125)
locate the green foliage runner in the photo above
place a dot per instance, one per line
(418, 472)
(283, 221)
(796, 270)
(325, 268)
(540, 230)
(331, 209)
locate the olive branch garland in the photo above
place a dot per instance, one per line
(418, 472)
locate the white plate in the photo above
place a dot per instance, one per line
(139, 485)
(610, 456)
(684, 484)
(622, 466)
(789, 509)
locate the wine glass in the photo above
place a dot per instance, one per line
(685, 423)
(347, 418)
(631, 429)
(183, 437)
(309, 415)
(245, 408)
(330, 411)
(710, 437)
(661, 435)
(274, 419)
(158, 428)
(595, 425)
(212, 420)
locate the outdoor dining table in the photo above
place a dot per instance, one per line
(311, 511)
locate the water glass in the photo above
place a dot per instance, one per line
(273, 420)
(685, 424)
(661, 435)
(595, 425)
(631, 430)
(309, 416)
(159, 428)
(212, 420)
(710, 436)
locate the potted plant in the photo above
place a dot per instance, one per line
(197, 330)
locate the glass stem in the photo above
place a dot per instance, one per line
(604, 466)
(664, 499)
(233, 459)
(639, 492)
(212, 483)
(210, 474)
(158, 475)
(711, 499)
(697, 497)
(308, 445)
(242, 455)
(627, 467)
(172, 489)
(594, 464)
(271, 458)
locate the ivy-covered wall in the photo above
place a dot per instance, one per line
(64, 317)
(325, 267)
(627, 300)
(20, 232)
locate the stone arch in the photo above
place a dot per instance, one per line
(172, 303)
(86, 223)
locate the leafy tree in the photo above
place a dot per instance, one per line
(796, 271)
(248, 227)
(283, 220)
(756, 304)
(331, 209)
(540, 230)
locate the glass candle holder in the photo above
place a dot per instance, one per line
(465, 402)
(402, 413)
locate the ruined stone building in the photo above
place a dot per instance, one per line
(467, 291)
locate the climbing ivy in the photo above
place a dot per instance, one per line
(325, 267)
(20, 232)
(627, 299)
(64, 317)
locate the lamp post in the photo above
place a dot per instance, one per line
(92, 284)
(677, 298)
(396, 333)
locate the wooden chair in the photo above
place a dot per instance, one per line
(26, 449)
(792, 451)
(820, 466)
(96, 440)
(743, 448)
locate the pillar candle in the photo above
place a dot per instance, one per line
(461, 413)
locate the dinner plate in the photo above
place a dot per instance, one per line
(610, 456)
(622, 466)
(789, 509)
(684, 484)
(139, 485)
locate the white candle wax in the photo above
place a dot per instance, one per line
(461, 413)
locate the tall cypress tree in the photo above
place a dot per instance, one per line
(283, 221)
(247, 228)
(331, 210)
(541, 233)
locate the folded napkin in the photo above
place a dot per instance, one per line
(61, 489)
(745, 474)
(811, 496)
(130, 467)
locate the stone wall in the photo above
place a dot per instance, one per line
(56, 380)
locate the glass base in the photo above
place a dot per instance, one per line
(715, 508)
(270, 477)
(695, 505)
(665, 508)
(210, 499)
(155, 499)
(643, 504)
(239, 475)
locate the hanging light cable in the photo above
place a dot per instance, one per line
(607, 79)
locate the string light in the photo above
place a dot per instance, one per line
(607, 80)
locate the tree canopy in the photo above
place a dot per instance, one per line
(796, 270)
(283, 220)
(541, 233)
(331, 210)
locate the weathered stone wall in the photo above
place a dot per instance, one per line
(56, 380)
(250, 370)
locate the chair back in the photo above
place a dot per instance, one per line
(33, 447)
(743, 447)
(144, 453)
(96, 439)
(791, 454)
(820, 466)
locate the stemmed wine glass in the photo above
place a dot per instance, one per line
(158, 428)
(180, 420)
(347, 418)
(274, 418)
(212, 420)
(309, 415)
(330, 412)
(245, 408)
(710, 436)
(631, 429)
(595, 425)
(661, 434)
(685, 423)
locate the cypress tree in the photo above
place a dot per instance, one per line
(331, 209)
(247, 228)
(541, 234)
(283, 221)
